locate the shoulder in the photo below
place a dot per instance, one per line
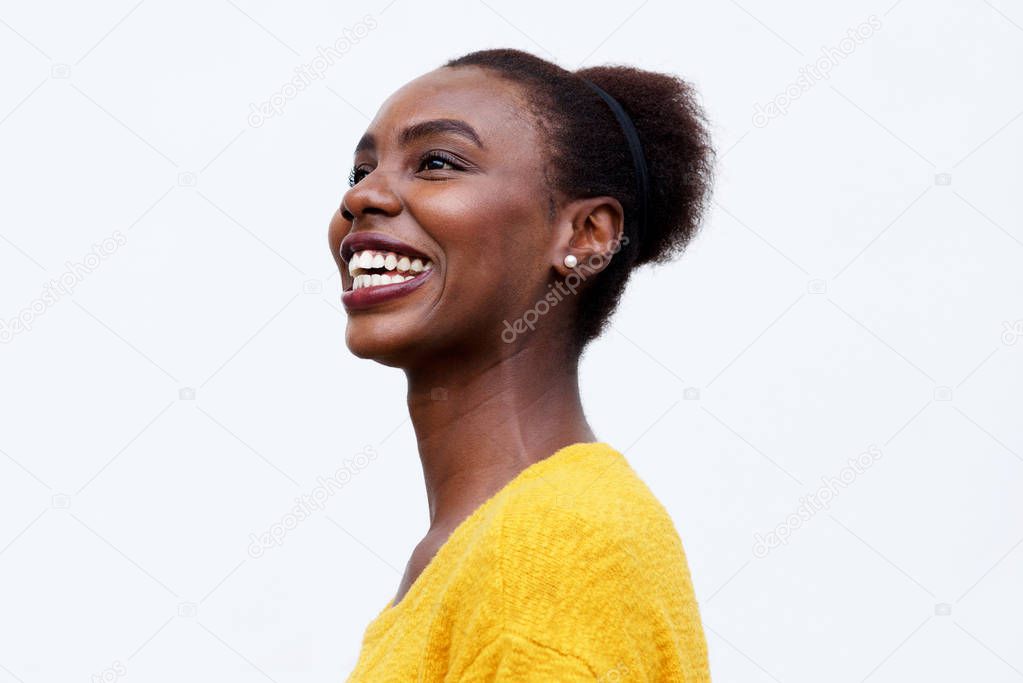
(593, 508)
(579, 568)
(591, 561)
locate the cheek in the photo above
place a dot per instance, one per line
(339, 227)
(492, 238)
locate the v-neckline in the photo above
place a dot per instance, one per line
(391, 610)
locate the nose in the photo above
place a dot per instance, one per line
(371, 195)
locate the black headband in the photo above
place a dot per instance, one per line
(638, 160)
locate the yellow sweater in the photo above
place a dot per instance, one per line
(572, 572)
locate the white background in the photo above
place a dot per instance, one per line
(857, 284)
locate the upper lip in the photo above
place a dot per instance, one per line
(359, 241)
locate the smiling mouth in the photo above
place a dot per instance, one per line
(375, 268)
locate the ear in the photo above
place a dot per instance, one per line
(591, 230)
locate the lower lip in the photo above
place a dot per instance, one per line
(366, 297)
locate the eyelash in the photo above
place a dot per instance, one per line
(354, 175)
(351, 178)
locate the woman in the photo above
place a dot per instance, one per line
(497, 207)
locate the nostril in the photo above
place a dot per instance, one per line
(346, 214)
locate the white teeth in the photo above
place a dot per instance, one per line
(375, 279)
(400, 268)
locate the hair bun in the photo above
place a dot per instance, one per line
(591, 158)
(676, 143)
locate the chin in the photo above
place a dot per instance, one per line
(379, 342)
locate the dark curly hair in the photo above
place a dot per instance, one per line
(590, 157)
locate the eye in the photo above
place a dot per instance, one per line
(356, 174)
(435, 161)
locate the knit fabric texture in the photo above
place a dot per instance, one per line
(573, 571)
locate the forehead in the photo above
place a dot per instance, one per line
(494, 106)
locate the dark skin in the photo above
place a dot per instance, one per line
(485, 223)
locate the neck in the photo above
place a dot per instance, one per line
(478, 424)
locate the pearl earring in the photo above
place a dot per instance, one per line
(571, 261)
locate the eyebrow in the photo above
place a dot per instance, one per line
(424, 129)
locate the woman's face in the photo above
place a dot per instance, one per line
(452, 168)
